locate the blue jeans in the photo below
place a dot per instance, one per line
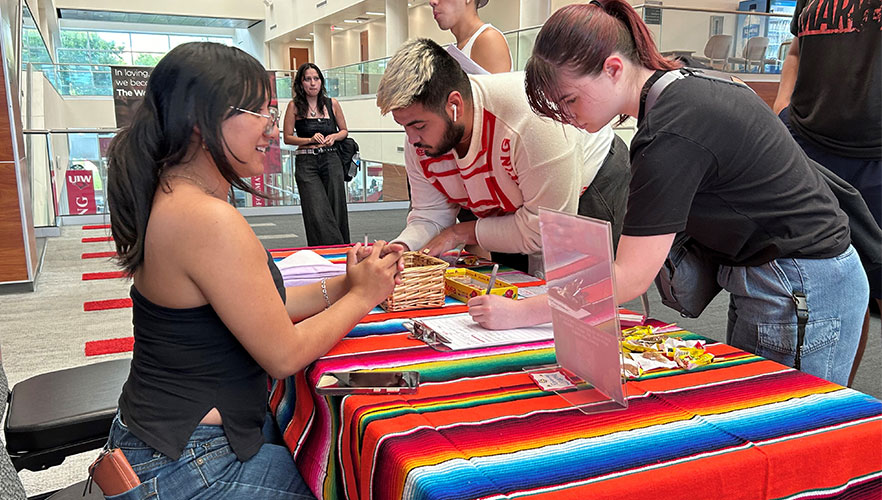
(762, 311)
(208, 468)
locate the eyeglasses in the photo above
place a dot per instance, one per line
(272, 119)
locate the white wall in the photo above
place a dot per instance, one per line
(345, 48)
(89, 112)
(238, 9)
(376, 39)
(251, 40)
(421, 24)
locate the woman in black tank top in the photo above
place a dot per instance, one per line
(315, 123)
(210, 312)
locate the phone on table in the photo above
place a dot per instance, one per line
(375, 382)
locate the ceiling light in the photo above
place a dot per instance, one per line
(375, 13)
(303, 39)
(350, 21)
(311, 33)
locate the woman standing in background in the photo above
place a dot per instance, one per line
(315, 123)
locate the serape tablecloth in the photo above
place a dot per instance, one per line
(741, 428)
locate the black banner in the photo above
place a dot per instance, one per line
(129, 86)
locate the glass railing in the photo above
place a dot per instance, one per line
(68, 170)
(676, 35)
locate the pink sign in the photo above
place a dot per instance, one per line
(80, 192)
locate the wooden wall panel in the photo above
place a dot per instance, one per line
(766, 90)
(5, 133)
(13, 265)
(394, 183)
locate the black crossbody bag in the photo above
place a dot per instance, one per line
(347, 149)
(687, 281)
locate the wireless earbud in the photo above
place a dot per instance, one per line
(454, 111)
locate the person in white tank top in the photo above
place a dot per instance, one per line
(480, 42)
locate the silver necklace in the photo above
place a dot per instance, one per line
(313, 111)
(193, 180)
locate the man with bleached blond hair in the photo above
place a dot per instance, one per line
(476, 150)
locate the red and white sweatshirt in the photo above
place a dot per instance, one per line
(516, 163)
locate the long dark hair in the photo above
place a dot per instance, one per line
(579, 38)
(192, 87)
(300, 103)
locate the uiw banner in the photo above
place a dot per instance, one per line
(80, 192)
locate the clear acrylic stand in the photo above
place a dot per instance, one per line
(581, 293)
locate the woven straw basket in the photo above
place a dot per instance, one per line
(422, 284)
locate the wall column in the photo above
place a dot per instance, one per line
(321, 45)
(18, 244)
(534, 12)
(396, 25)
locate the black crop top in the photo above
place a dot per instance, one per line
(185, 362)
(308, 127)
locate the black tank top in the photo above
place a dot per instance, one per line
(308, 127)
(185, 362)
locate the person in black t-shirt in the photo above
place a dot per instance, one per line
(709, 159)
(833, 105)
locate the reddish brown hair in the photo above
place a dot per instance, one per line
(579, 38)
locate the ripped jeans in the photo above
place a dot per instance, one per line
(762, 311)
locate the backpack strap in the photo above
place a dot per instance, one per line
(659, 86)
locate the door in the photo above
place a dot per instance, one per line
(297, 57)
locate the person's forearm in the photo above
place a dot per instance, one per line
(341, 134)
(629, 285)
(307, 300)
(789, 71)
(536, 310)
(294, 140)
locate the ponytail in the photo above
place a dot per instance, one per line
(579, 38)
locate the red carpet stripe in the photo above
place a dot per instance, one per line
(100, 305)
(98, 255)
(98, 226)
(104, 276)
(97, 239)
(110, 346)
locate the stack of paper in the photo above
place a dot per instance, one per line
(305, 267)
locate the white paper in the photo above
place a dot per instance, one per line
(304, 267)
(469, 66)
(459, 331)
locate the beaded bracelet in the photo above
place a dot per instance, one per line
(325, 292)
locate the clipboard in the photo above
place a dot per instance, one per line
(460, 332)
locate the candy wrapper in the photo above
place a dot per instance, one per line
(646, 350)
(691, 357)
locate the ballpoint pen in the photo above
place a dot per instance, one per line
(492, 278)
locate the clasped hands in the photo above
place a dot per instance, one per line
(324, 140)
(373, 271)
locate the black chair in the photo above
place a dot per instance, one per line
(62, 413)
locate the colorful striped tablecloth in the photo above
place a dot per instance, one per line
(741, 428)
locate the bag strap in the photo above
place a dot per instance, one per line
(802, 315)
(330, 105)
(659, 86)
(671, 76)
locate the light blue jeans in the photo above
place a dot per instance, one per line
(762, 311)
(208, 468)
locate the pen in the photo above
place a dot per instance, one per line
(492, 278)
